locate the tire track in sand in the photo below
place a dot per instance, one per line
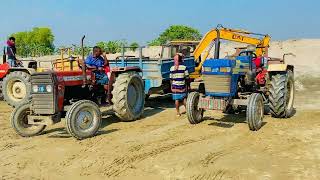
(122, 163)
(209, 175)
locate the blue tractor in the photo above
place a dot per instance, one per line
(245, 82)
(226, 86)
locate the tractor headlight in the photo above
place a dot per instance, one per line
(35, 88)
(225, 69)
(215, 70)
(207, 69)
(49, 88)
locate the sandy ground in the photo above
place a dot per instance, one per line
(161, 146)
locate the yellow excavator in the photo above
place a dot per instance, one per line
(213, 37)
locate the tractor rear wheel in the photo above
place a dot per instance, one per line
(16, 88)
(255, 111)
(195, 115)
(281, 95)
(128, 96)
(83, 119)
(19, 121)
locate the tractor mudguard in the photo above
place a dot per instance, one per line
(4, 68)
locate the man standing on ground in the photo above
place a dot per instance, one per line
(179, 75)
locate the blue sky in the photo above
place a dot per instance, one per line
(143, 20)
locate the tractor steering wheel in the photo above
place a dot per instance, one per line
(248, 53)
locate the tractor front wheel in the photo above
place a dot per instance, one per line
(255, 111)
(19, 122)
(195, 115)
(83, 119)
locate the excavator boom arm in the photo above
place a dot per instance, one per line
(230, 35)
(209, 40)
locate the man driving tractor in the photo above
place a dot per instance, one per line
(99, 63)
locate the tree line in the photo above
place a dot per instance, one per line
(39, 41)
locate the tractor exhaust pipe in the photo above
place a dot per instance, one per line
(84, 68)
(4, 56)
(217, 45)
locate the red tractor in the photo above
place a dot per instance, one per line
(74, 95)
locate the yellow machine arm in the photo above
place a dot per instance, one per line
(213, 37)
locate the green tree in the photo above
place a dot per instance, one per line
(37, 42)
(154, 42)
(134, 46)
(102, 45)
(112, 46)
(176, 32)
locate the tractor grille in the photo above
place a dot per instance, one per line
(43, 102)
(217, 83)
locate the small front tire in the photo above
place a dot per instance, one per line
(19, 122)
(255, 111)
(195, 115)
(83, 119)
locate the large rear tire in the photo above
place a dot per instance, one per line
(281, 95)
(128, 96)
(195, 115)
(19, 121)
(83, 119)
(255, 112)
(16, 88)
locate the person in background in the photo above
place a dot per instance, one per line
(186, 52)
(99, 63)
(178, 76)
(11, 53)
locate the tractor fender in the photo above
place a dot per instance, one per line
(280, 67)
(4, 68)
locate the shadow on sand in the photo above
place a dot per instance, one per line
(62, 133)
(153, 106)
(229, 120)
